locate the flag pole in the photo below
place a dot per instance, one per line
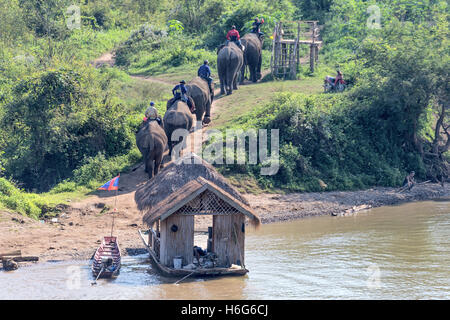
(115, 209)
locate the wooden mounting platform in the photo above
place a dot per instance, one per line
(287, 38)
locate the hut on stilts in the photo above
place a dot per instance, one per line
(182, 190)
(287, 38)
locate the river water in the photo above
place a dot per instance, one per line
(400, 252)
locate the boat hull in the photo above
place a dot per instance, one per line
(109, 249)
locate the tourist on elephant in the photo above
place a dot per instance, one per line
(204, 72)
(233, 35)
(151, 114)
(256, 27)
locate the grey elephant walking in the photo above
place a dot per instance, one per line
(177, 116)
(230, 60)
(252, 56)
(198, 90)
(151, 141)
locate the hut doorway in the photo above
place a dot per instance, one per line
(203, 233)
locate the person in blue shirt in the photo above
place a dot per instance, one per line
(180, 92)
(204, 72)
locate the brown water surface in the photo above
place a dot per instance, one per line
(400, 252)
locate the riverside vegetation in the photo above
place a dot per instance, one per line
(66, 126)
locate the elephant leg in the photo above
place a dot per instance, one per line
(241, 79)
(254, 75)
(229, 86)
(151, 168)
(158, 161)
(146, 160)
(235, 81)
(199, 116)
(207, 118)
(222, 87)
(258, 69)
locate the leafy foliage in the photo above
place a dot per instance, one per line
(56, 120)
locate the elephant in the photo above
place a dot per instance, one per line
(230, 60)
(198, 90)
(151, 141)
(252, 56)
(177, 116)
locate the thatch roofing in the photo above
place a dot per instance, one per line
(180, 182)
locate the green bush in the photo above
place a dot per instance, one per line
(146, 38)
(59, 117)
(99, 169)
(14, 199)
(173, 52)
(328, 138)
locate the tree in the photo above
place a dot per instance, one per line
(56, 119)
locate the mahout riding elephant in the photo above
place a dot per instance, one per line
(177, 116)
(252, 56)
(198, 90)
(151, 140)
(230, 60)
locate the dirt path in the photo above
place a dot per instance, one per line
(106, 58)
(152, 79)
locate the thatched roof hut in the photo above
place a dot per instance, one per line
(182, 190)
(181, 178)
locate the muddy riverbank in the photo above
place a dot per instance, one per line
(76, 232)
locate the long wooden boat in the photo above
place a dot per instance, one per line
(199, 272)
(107, 260)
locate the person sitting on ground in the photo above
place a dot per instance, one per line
(256, 27)
(151, 114)
(409, 182)
(339, 78)
(204, 72)
(233, 35)
(180, 92)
